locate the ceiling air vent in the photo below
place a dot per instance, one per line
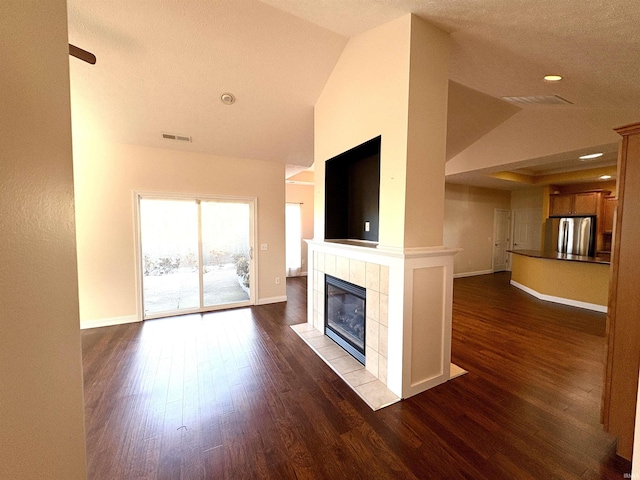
(173, 136)
(539, 100)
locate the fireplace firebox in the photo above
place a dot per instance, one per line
(345, 314)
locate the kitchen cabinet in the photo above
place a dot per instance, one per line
(608, 209)
(573, 204)
(623, 328)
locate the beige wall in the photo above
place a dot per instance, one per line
(527, 198)
(468, 224)
(302, 194)
(106, 175)
(391, 81)
(41, 404)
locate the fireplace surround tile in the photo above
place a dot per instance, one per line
(384, 309)
(345, 364)
(357, 272)
(376, 395)
(331, 352)
(342, 268)
(383, 341)
(330, 264)
(373, 276)
(372, 334)
(359, 377)
(372, 361)
(384, 279)
(373, 305)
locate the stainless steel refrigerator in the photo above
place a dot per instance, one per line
(572, 235)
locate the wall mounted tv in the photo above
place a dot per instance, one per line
(352, 193)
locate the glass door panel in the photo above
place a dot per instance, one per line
(169, 246)
(226, 252)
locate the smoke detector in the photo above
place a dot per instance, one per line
(228, 98)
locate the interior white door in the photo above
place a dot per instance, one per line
(527, 229)
(500, 239)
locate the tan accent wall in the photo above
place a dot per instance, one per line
(468, 224)
(106, 176)
(41, 404)
(583, 282)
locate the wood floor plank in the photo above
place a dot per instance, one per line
(237, 394)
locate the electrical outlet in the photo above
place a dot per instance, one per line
(367, 226)
(264, 246)
(277, 280)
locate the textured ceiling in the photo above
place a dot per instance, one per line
(163, 64)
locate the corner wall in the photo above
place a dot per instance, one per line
(106, 176)
(391, 81)
(41, 402)
(468, 224)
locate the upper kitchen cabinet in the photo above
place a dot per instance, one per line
(574, 204)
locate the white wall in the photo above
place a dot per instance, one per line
(302, 194)
(41, 404)
(468, 224)
(106, 175)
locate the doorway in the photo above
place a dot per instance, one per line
(527, 229)
(196, 254)
(501, 239)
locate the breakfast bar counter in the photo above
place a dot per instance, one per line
(562, 278)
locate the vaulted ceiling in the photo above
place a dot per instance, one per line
(163, 65)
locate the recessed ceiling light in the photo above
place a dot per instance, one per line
(590, 156)
(228, 98)
(605, 177)
(552, 78)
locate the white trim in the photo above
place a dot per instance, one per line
(107, 322)
(564, 301)
(363, 250)
(472, 274)
(267, 300)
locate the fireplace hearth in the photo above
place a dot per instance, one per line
(345, 314)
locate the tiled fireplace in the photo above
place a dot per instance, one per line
(372, 277)
(408, 318)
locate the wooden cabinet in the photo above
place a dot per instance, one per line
(572, 204)
(586, 203)
(608, 209)
(623, 325)
(560, 205)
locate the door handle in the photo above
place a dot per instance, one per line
(251, 253)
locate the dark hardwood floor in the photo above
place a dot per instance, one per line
(236, 394)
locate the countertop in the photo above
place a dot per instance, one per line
(561, 256)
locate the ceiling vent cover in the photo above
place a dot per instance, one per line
(539, 100)
(175, 136)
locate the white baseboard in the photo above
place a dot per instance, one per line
(265, 301)
(107, 322)
(472, 274)
(564, 301)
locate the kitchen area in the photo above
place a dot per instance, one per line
(572, 267)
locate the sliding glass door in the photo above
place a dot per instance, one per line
(196, 254)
